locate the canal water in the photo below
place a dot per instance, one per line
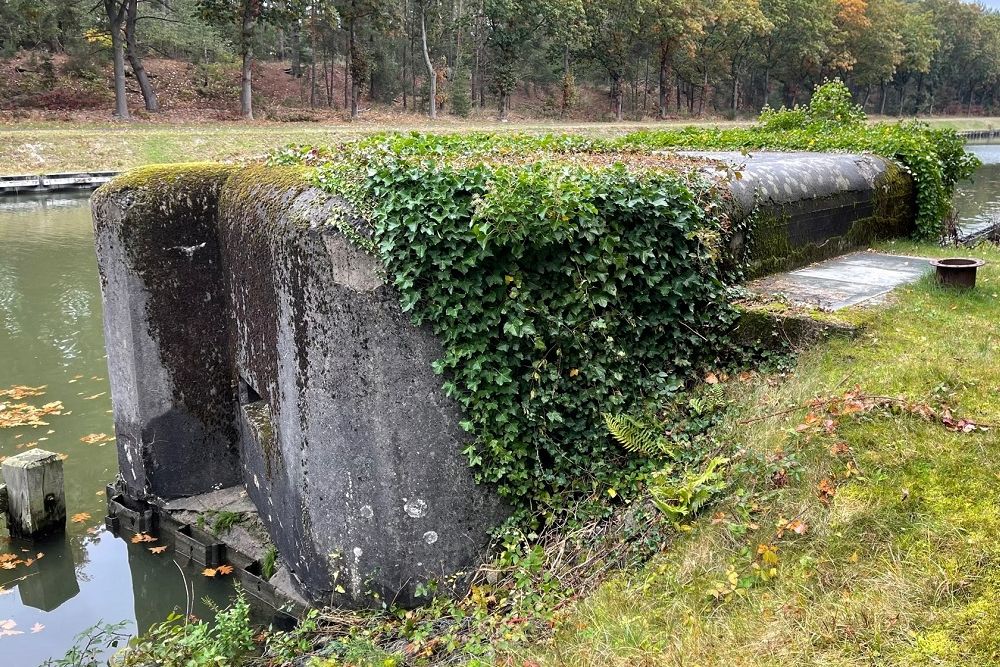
(51, 336)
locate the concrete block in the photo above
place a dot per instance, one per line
(165, 329)
(807, 207)
(35, 494)
(351, 451)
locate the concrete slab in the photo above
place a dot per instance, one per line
(850, 280)
(231, 499)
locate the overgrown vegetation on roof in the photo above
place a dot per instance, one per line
(572, 277)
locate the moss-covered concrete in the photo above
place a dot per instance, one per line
(160, 269)
(888, 211)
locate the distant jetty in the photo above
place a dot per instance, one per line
(77, 180)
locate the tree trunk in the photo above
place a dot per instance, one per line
(431, 74)
(881, 106)
(567, 85)
(312, 67)
(645, 88)
(296, 47)
(115, 10)
(246, 75)
(347, 69)
(355, 83)
(135, 59)
(504, 105)
(403, 60)
(617, 95)
(476, 83)
(666, 54)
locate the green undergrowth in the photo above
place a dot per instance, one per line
(861, 515)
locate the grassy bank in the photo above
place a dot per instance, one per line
(873, 541)
(56, 146)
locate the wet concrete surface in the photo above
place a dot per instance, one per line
(849, 280)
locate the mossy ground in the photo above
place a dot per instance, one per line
(898, 568)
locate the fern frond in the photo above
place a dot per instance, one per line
(637, 436)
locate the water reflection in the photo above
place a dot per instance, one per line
(51, 334)
(978, 201)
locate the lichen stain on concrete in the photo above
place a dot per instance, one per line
(415, 508)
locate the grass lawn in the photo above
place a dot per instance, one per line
(874, 542)
(31, 147)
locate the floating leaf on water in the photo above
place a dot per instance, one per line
(13, 415)
(20, 391)
(80, 517)
(94, 438)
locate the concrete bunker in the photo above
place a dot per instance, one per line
(252, 344)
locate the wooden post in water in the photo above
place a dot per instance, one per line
(36, 499)
(3, 510)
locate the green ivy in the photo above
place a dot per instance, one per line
(560, 291)
(571, 277)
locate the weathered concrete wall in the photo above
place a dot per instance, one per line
(249, 341)
(809, 206)
(350, 449)
(164, 327)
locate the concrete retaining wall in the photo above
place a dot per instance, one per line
(812, 206)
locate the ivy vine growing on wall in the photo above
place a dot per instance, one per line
(569, 278)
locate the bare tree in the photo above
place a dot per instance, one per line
(431, 74)
(135, 57)
(115, 11)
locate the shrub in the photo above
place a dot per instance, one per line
(935, 158)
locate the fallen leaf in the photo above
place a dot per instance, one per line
(826, 490)
(839, 448)
(797, 527)
(225, 569)
(80, 517)
(90, 398)
(157, 550)
(209, 572)
(20, 391)
(13, 415)
(142, 537)
(95, 438)
(36, 628)
(711, 378)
